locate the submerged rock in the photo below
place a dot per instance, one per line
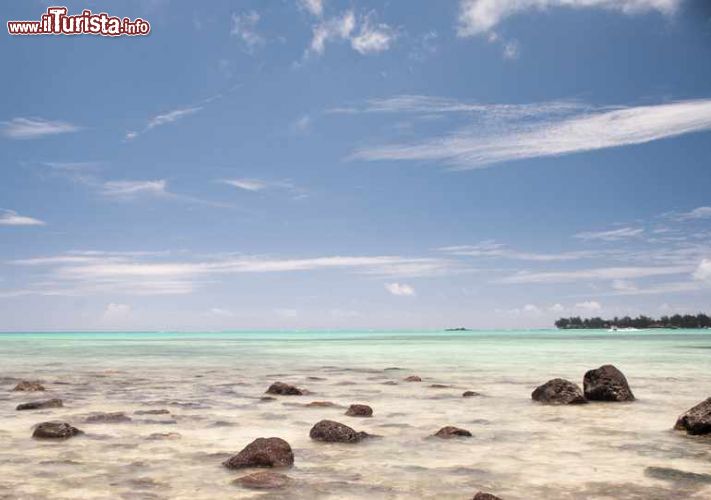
(320, 404)
(152, 412)
(440, 386)
(55, 430)
(334, 432)
(606, 383)
(160, 436)
(284, 389)
(559, 391)
(264, 480)
(677, 476)
(449, 432)
(485, 496)
(359, 411)
(412, 378)
(697, 420)
(116, 417)
(262, 452)
(29, 386)
(470, 394)
(41, 405)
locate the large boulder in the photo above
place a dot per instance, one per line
(284, 389)
(450, 432)
(359, 411)
(333, 432)
(606, 383)
(559, 392)
(265, 480)
(697, 420)
(41, 405)
(262, 452)
(485, 496)
(29, 386)
(55, 430)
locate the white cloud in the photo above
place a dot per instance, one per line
(479, 146)
(703, 271)
(337, 28)
(556, 308)
(116, 312)
(314, 7)
(246, 184)
(12, 218)
(172, 116)
(34, 128)
(373, 37)
(481, 16)
(492, 249)
(589, 306)
(697, 213)
(244, 26)
(400, 289)
(512, 49)
(624, 286)
(129, 189)
(605, 273)
(611, 235)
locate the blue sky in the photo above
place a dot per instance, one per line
(330, 164)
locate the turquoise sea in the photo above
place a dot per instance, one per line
(211, 385)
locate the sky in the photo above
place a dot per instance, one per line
(293, 164)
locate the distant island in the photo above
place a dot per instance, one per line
(676, 321)
(458, 329)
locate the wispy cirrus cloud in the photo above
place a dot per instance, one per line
(495, 141)
(164, 119)
(129, 189)
(622, 233)
(34, 128)
(477, 17)
(695, 214)
(492, 249)
(595, 274)
(12, 218)
(260, 185)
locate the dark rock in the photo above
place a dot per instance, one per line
(697, 420)
(315, 378)
(470, 394)
(449, 432)
(152, 412)
(41, 405)
(284, 389)
(334, 432)
(440, 386)
(117, 417)
(29, 386)
(263, 452)
(677, 476)
(264, 480)
(160, 436)
(55, 430)
(606, 383)
(320, 404)
(359, 411)
(485, 496)
(559, 392)
(412, 378)
(390, 382)
(267, 398)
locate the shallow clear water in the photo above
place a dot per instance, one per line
(211, 384)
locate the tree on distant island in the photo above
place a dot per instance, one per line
(675, 321)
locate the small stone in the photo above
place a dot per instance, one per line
(41, 405)
(29, 386)
(263, 452)
(697, 420)
(160, 436)
(440, 386)
(117, 417)
(334, 432)
(55, 430)
(413, 378)
(284, 389)
(470, 394)
(151, 412)
(359, 411)
(320, 404)
(449, 432)
(264, 480)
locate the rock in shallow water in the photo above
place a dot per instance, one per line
(263, 452)
(41, 405)
(320, 404)
(117, 417)
(334, 432)
(449, 432)
(55, 430)
(284, 389)
(697, 420)
(263, 481)
(485, 496)
(606, 383)
(559, 392)
(359, 411)
(29, 386)
(413, 378)
(470, 394)
(152, 412)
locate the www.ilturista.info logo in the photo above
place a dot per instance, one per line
(57, 22)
